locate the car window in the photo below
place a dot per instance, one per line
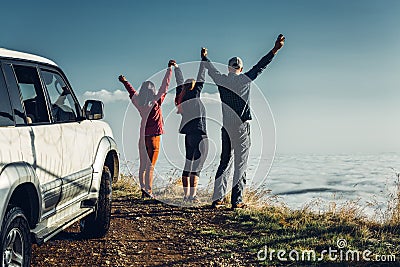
(15, 96)
(32, 94)
(62, 102)
(6, 115)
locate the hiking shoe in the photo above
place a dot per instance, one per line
(239, 206)
(144, 194)
(217, 204)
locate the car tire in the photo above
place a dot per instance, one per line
(97, 223)
(15, 246)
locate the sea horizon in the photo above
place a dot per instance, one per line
(317, 181)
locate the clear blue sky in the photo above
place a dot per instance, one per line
(333, 88)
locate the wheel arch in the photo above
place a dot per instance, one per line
(112, 162)
(106, 154)
(20, 188)
(31, 208)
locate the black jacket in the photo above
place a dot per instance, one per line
(193, 111)
(234, 90)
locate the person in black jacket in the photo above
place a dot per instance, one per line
(193, 126)
(234, 91)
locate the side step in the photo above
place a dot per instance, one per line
(43, 232)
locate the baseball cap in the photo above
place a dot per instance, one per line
(236, 63)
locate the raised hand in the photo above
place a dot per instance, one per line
(279, 43)
(172, 62)
(204, 52)
(122, 78)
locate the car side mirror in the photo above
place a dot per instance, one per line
(93, 109)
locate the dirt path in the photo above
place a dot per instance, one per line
(145, 233)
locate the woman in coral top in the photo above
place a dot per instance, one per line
(148, 103)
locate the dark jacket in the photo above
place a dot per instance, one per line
(234, 90)
(192, 109)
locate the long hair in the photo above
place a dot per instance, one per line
(147, 94)
(187, 86)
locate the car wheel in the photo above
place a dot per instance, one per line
(97, 223)
(15, 239)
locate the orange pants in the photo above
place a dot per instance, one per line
(149, 149)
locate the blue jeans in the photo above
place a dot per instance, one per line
(235, 151)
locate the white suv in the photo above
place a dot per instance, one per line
(57, 161)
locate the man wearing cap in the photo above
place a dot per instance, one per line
(234, 91)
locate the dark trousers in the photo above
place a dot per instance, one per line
(235, 151)
(196, 146)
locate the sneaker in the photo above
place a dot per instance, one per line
(217, 204)
(239, 206)
(185, 199)
(146, 194)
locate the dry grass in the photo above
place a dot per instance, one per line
(393, 206)
(126, 187)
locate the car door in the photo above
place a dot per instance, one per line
(77, 136)
(41, 144)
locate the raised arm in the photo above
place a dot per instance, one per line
(217, 77)
(264, 61)
(201, 75)
(164, 85)
(179, 86)
(127, 85)
(179, 80)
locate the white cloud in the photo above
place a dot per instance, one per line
(208, 98)
(119, 95)
(107, 96)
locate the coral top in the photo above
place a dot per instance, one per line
(152, 120)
